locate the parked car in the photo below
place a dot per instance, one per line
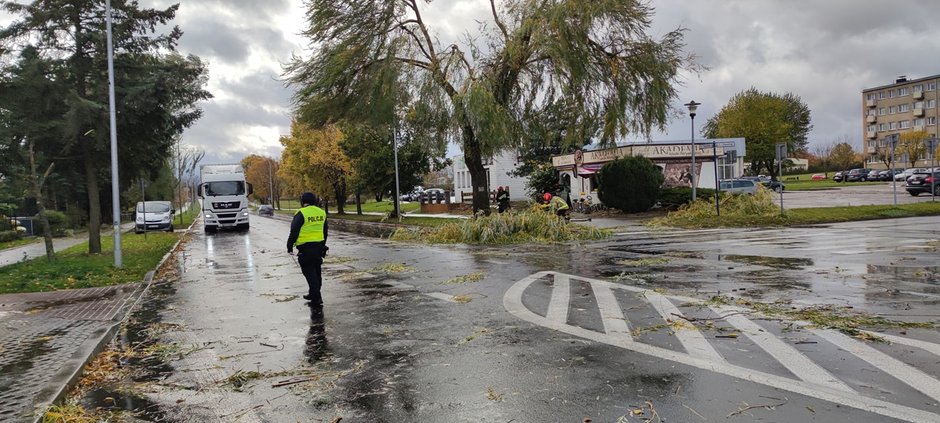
(873, 175)
(265, 210)
(153, 215)
(838, 176)
(908, 172)
(923, 183)
(739, 186)
(433, 195)
(857, 175)
(887, 175)
(818, 176)
(767, 182)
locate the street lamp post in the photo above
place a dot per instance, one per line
(397, 194)
(115, 182)
(932, 149)
(693, 106)
(717, 185)
(894, 182)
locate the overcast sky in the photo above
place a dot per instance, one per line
(825, 51)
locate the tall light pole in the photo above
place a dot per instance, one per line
(115, 195)
(397, 194)
(932, 149)
(693, 106)
(271, 181)
(717, 185)
(893, 139)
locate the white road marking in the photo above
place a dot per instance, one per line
(558, 305)
(615, 324)
(797, 363)
(691, 338)
(901, 371)
(894, 339)
(512, 301)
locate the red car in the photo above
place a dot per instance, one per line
(818, 176)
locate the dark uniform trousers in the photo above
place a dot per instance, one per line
(310, 258)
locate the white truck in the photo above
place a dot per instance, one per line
(224, 193)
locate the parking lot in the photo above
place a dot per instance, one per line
(850, 195)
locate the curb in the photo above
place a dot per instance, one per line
(92, 347)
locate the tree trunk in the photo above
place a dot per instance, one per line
(359, 203)
(36, 188)
(473, 157)
(94, 203)
(339, 190)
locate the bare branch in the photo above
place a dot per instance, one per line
(502, 28)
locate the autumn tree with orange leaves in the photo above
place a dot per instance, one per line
(314, 157)
(262, 173)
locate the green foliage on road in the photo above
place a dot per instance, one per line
(75, 268)
(407, 220)
(531, 226)
(760, 210)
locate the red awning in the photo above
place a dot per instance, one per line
(589, 169)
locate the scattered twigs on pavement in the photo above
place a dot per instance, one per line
(764, 406)
(695, 412)
(293, 381)
(272, 346)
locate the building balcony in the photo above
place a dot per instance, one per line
(918, 95)
(870, 103)
(871, 119)
(918, 127)
(918, 112)
(872, 135)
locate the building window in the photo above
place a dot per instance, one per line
(906, 107)
(891, 94)
(892, 110)
(932, 121)
(870, 96)
(881, 95)
(872, 128)
(883, 127)
(893, 125)
(931, 104)
(903, 91)
(918, 88)
(931, 86)
(905, 124)
(919, 122)
(882, 111)
(919, 105)
(872, 112)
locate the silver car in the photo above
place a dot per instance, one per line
(739, 186)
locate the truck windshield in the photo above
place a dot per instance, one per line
(225, 188)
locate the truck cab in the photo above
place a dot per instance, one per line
(224, 193)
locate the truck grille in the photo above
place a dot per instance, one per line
(227, 206)
(227, 215)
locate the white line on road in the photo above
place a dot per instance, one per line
(558, 305)
(512, 301)
(924, 345)
(795, 361)
(691, 338)
(441, 296)
(615, 324)
(909, 375)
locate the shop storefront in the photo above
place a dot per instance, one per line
(723, 157)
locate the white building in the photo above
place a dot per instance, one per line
(497, 174)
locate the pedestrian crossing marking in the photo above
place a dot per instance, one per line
(823, 386)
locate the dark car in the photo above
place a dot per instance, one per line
(923, 182)
(265, 210)
(767, 182)
(857, 175)
(838, 176)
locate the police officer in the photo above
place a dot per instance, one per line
(308, 232)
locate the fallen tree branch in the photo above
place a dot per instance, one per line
(751, 407)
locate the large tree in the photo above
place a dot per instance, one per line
(763, 120)
(315, 156)
(912, 145)
(592, 59)
(261, 172)
(843, 156)
(156, 89)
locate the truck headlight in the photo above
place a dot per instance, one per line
(208, 216)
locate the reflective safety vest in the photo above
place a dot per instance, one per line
(312, 229)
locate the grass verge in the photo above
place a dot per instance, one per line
(506, 228)
(760, 210)
(19, 242)
(75, 268)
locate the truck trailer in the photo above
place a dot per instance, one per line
(224, 193)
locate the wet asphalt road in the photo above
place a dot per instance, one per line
(586, 338)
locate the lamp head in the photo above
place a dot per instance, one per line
(693, 106)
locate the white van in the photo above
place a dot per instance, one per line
(153, 216)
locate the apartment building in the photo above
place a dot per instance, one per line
(906, 105)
